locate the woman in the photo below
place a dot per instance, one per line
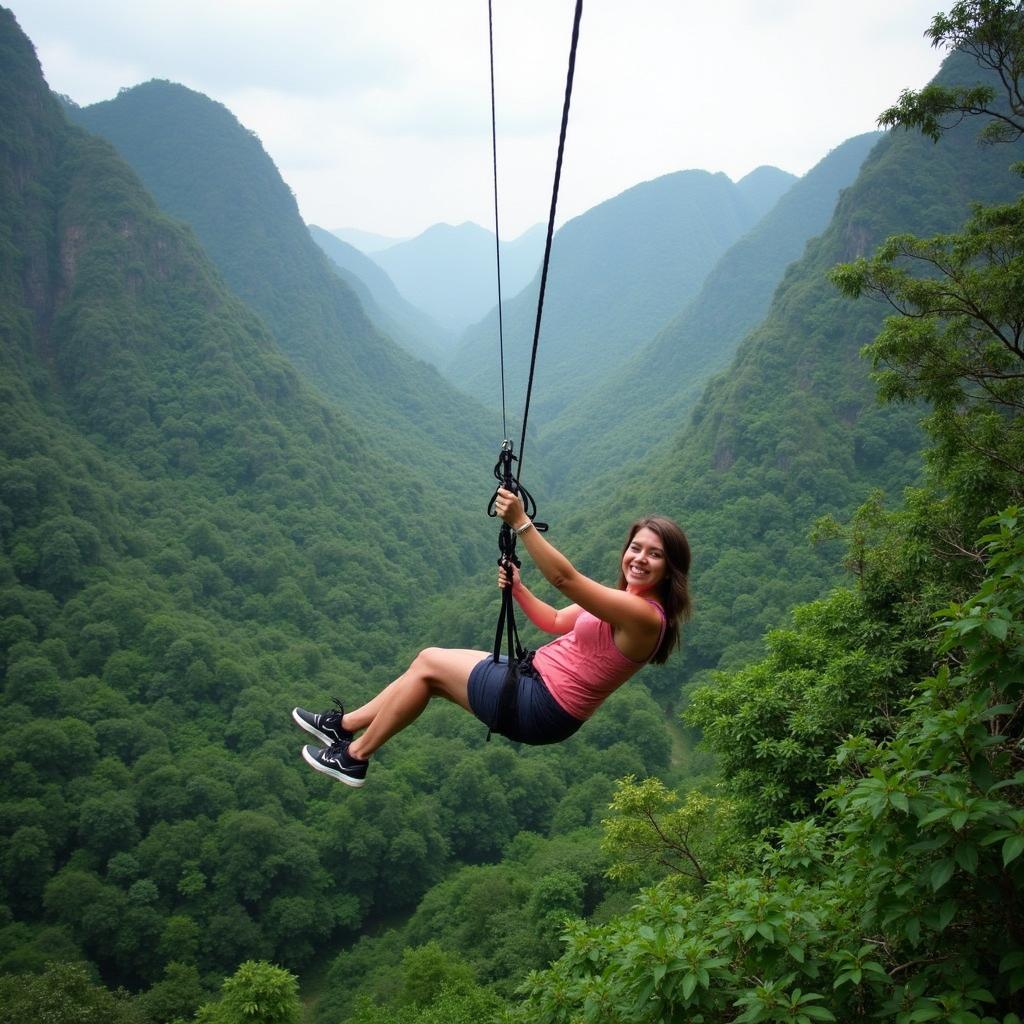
(604, 637)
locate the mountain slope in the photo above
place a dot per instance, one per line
(619, 272)
(398, 319)
(449, 271)
(792, 430)
(192, 539)
(671, 371)
(204, 167)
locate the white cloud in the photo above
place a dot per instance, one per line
(378, 114)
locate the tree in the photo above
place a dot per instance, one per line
(650, 834)
(257, 993)
(992, 31)
(177, 995)
(957, 342)
(64, 994)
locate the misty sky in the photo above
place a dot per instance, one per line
(377, 112)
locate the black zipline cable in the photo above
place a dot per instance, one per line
(497, 236)
(520, 660)
(551, 221)
(503, 470)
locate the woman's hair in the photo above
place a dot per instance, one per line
(673, 591)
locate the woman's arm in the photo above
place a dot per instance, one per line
(543, 615)
(626, 612)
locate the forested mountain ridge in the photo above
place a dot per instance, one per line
(672, 370)
(202, 166)
(400, 320)
(792, 429)
(619, 272)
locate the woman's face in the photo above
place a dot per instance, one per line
(644, 564)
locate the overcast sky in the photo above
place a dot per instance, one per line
(377, 112)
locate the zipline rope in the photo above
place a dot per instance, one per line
(497, 236)
(551, 221)
(519, 660)
(506, 444)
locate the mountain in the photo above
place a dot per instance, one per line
(449, 271)
(792, 430)
(395, 317)
(365, 241)
(205, 168)
(619, 273)
(764, 186)
(191, 537)
(671, 371)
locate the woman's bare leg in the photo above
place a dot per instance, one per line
(435, 672)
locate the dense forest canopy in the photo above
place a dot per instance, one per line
(214, 505)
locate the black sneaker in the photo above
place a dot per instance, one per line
(335, 760)
(327, 726)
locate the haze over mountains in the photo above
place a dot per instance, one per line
(618, 274)
(384, 304)
(448, 271)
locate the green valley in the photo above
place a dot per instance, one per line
(228, 487)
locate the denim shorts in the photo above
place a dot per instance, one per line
(538, 718)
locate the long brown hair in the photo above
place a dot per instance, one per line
(673, 592)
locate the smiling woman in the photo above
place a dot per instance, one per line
(603, 637)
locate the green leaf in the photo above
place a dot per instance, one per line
(942, 872)
(1011, 960)
(1012, 849)
(997, 627)
(966, 855)
(689, 984)
(817, 1012)
(946, 914)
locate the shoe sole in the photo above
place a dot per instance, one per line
(314, 731)
(333, 772)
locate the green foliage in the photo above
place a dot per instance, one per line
(257, 993)
(64, 994)
(650, 834)
(774, 725)
(449, 1006)
(956, 343)
(992, 32)
(906, 906)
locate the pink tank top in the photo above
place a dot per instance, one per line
(583, 667)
